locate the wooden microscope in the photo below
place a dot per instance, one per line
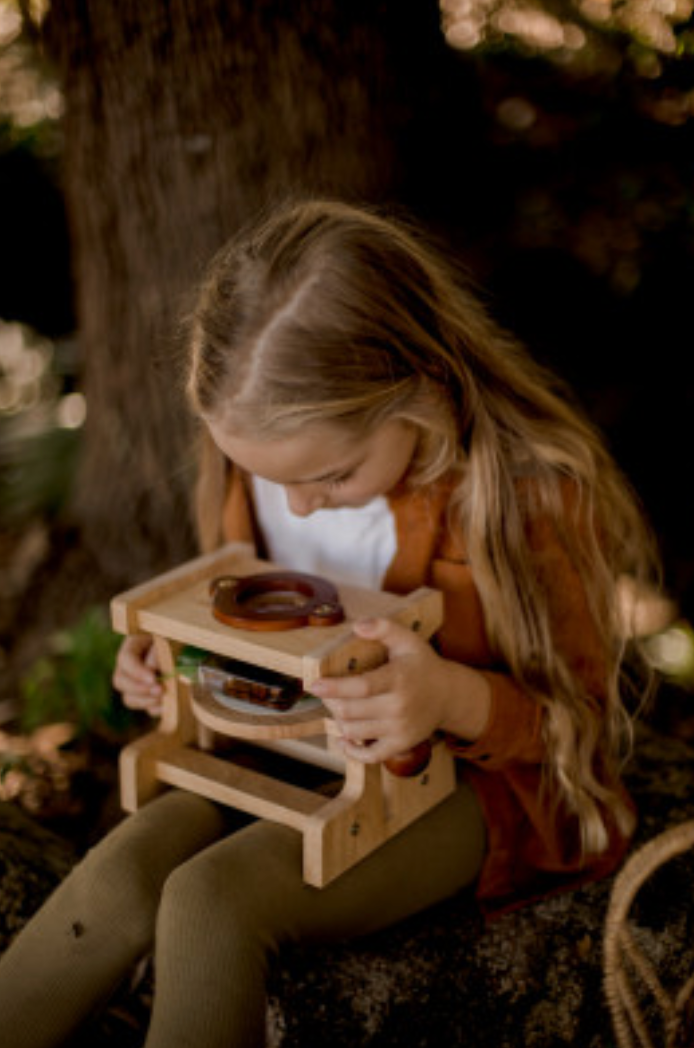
(287, 626)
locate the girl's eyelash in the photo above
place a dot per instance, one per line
(337, 482)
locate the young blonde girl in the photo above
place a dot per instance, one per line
(364, 418)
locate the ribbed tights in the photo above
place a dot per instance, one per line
(216, 908)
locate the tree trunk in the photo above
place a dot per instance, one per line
(182, 118)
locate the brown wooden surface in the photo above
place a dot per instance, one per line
(372, 805)
(177, 606)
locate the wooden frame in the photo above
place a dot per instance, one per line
(338, 832)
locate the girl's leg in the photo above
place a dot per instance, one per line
(226, 912)
(99, 921)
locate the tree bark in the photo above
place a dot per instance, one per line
(183, 117)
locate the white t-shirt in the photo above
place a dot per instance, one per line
(347, 545)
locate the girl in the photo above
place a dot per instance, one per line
(364, 419)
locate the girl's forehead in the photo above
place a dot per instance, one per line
(314, 454)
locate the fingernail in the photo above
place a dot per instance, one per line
(318, 688)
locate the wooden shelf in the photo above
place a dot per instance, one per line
(175, 608)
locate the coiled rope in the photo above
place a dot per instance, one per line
(628, 974)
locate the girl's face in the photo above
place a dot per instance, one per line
(323, 467)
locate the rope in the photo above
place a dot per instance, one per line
(628, 973)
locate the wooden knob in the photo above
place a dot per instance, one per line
(413, 762)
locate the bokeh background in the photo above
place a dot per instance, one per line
(549, 142)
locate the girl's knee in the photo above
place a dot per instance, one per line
(134, 860)
(200, 889)
(236, 883)
(110, 893)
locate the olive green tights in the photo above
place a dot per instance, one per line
(216, 908)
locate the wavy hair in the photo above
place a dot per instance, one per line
(326, 313)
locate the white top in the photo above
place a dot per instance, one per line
(353, 546)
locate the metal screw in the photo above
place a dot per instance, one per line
(354, 829)
(352, 665)
(424, 779)
(416, 625)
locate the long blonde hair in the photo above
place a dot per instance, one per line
(323, 312)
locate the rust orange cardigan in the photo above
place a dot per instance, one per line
(533, 844)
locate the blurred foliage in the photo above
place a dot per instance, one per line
(30, 95)
(39, 427)
(35, 271)
(40, 139)
(72, 682)
(36, 474)
(40, 419)
(671, 652)
(567, 167)
(651, 42)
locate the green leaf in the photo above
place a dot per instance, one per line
(73, 682)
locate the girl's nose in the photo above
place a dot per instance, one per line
(304, 501)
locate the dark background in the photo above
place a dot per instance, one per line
(568, 190)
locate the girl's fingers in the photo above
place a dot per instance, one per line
(364, 731)
(137, 659)
(369, 752)
(135, 675)
(144, 684)
(151, 659)
(360, 686)
(346, 711)
(135, 701)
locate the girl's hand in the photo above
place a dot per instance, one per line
(136, 675)
(406, 700)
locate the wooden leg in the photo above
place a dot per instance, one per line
(407, 799)
(347, 828)
(372, 807)
(139, 782)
